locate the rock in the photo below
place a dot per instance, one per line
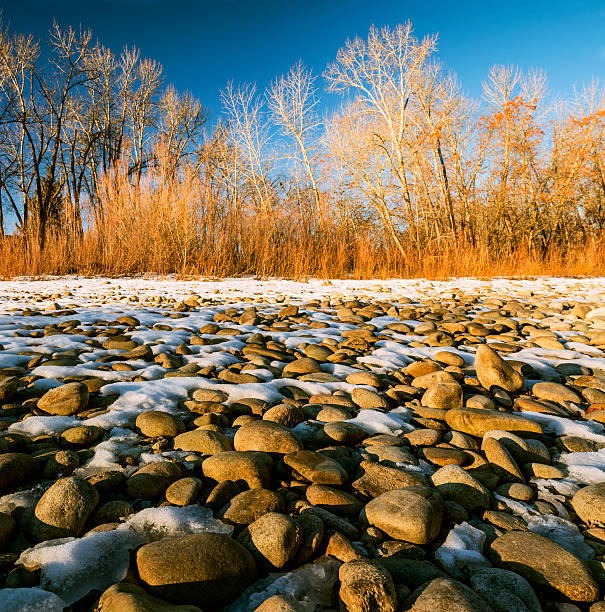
(210, 395)
(273, 539)
(7, 530)
(364, 378)
(312, 533)
(443, 395)
(8, 387)
(446, 456)
(248, 506)
(341, 548)
(504, 590)
(111, 512)
(16, 469)
(128, 320)
(205, 569)
(70, 398)
(81, 435)
(155, 424)
(328, 498)
(304, 365)
(152, 480)
(449, 358)
(184, 492)
(203, 441)
(544, 564)
(524, 450)
(555, 392)
(373, 479)
(267, 437)
(365, 586)
(412, 514)
(63, 509)
(221, 494)
(446, 595)
(285, 414)
(589, 504)
(501, 460)
(456, 484)
(126, 597)
(279, 603)
(61, 463)
(492, 370)
(477, 421)
(343, 432)
(250, 467)
(316, 468)
(368, 400)
(411, 572)
(516, 491)
(105, 482)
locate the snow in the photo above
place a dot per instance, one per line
(156, 523)
(562, 532)
(375, 422)
(30, 600)
(586, 468)
(72, 567)
(462, 551)
(310, 586)
(589, 430)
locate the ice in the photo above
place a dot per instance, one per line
(23, 500)
(38, 425)
(586, 468)
(156, 523)
(71, 568)
(42, 385)
(107, 454)
(462, 551)
(8, 360)
(30, 600)
(562, 532)
(375, 422)
(311, 586)
(560, 426)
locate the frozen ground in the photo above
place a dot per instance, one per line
(52, 331)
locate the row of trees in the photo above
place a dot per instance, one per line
(407, 158)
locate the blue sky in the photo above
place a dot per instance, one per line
(203, 44)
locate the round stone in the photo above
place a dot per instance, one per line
(266, 436)
(156, 424)
(205, 569)
(412, 514)
(544, 564)
(273, 539)
(70, 398)
(63, 509)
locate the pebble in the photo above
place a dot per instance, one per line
(334, 442)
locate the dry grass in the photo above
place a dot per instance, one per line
(177, 227)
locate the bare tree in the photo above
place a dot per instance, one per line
(249, 132)
(292, 101)
(382, 72)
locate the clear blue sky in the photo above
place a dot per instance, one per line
(203, 44)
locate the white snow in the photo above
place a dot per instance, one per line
(462, 551)
(310, 586)
(72, 567)
(33, 599)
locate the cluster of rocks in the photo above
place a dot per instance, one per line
(368, 481)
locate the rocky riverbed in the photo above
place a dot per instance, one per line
(272, 446)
